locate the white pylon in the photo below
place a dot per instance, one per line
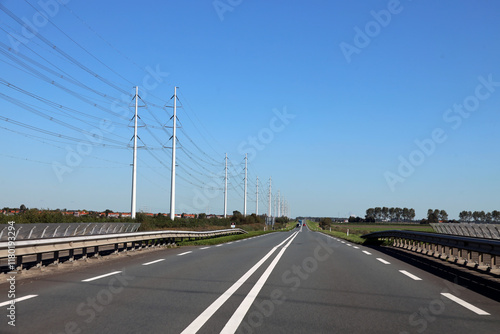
(269, 212)
(257, 198)
(174, 138)
(245, 196)
(225, 191)
(134, 163)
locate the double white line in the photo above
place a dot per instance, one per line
(240, 313)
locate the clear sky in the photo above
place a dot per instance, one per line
(347, 105)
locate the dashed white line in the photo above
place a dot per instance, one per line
(462, 302)
(219, 245)
(184, 253)
(209, 312)
(367, 253)
(155, 261)
(383, 261)
(204, 248)
(349, 245)
(416, 278)
(17, 300)
(343, 242)
(101, 276)
(355, 247)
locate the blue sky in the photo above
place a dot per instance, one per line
(329, 98)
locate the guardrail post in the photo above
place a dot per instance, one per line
(56, 258)
(39, 260)
(480, 259)
(96, 251)
(19, 262)
(116, 249)
(493, 262)
(469, 256)
(84, 253)
(71, 255)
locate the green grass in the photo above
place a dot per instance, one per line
(221, 240)
(357, 230)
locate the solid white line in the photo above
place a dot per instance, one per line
(17, 300)
(156, 261)
(367, 253)
(233, 323)
(101, 276)
(416, 278)
(207, 314)
(204, 248)
(184, 253)
(383, 261)
(462, 302)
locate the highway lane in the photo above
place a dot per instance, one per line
(311, 283)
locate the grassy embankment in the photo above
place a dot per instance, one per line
(357, 230)
(220, 240)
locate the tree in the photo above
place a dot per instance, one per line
(325, 223)
(476, 215)
(432, 216)
(463, 216)
(392, 214)
(370, 214)
(411, 214)
(443, 215)
(406, 214)
(22, 208)
(495, 215)
(398, 212)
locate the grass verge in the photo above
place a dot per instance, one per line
(221, 240)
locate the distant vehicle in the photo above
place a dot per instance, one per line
(298, 225)
(304, 224)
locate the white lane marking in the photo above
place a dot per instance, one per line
(355, 247)
(20, 299)
(383, 261)
(367, 253)
(204, 248)
(416, 278)
(233, 323)
(462, 302)
(207, 314)
(349, 245)
(343, 242)
(101, 276)
(230, 242)
(155, 261)
(219, 245)
(184, 253)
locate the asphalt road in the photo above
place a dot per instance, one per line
(285, 282)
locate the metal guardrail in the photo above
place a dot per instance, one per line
(490, 231)
(18, 249)
(41, 231)
(482, 252)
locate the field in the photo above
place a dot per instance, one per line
(357, 230)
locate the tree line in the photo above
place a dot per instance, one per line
(148, 222)
(480, 216)
(389, 214)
